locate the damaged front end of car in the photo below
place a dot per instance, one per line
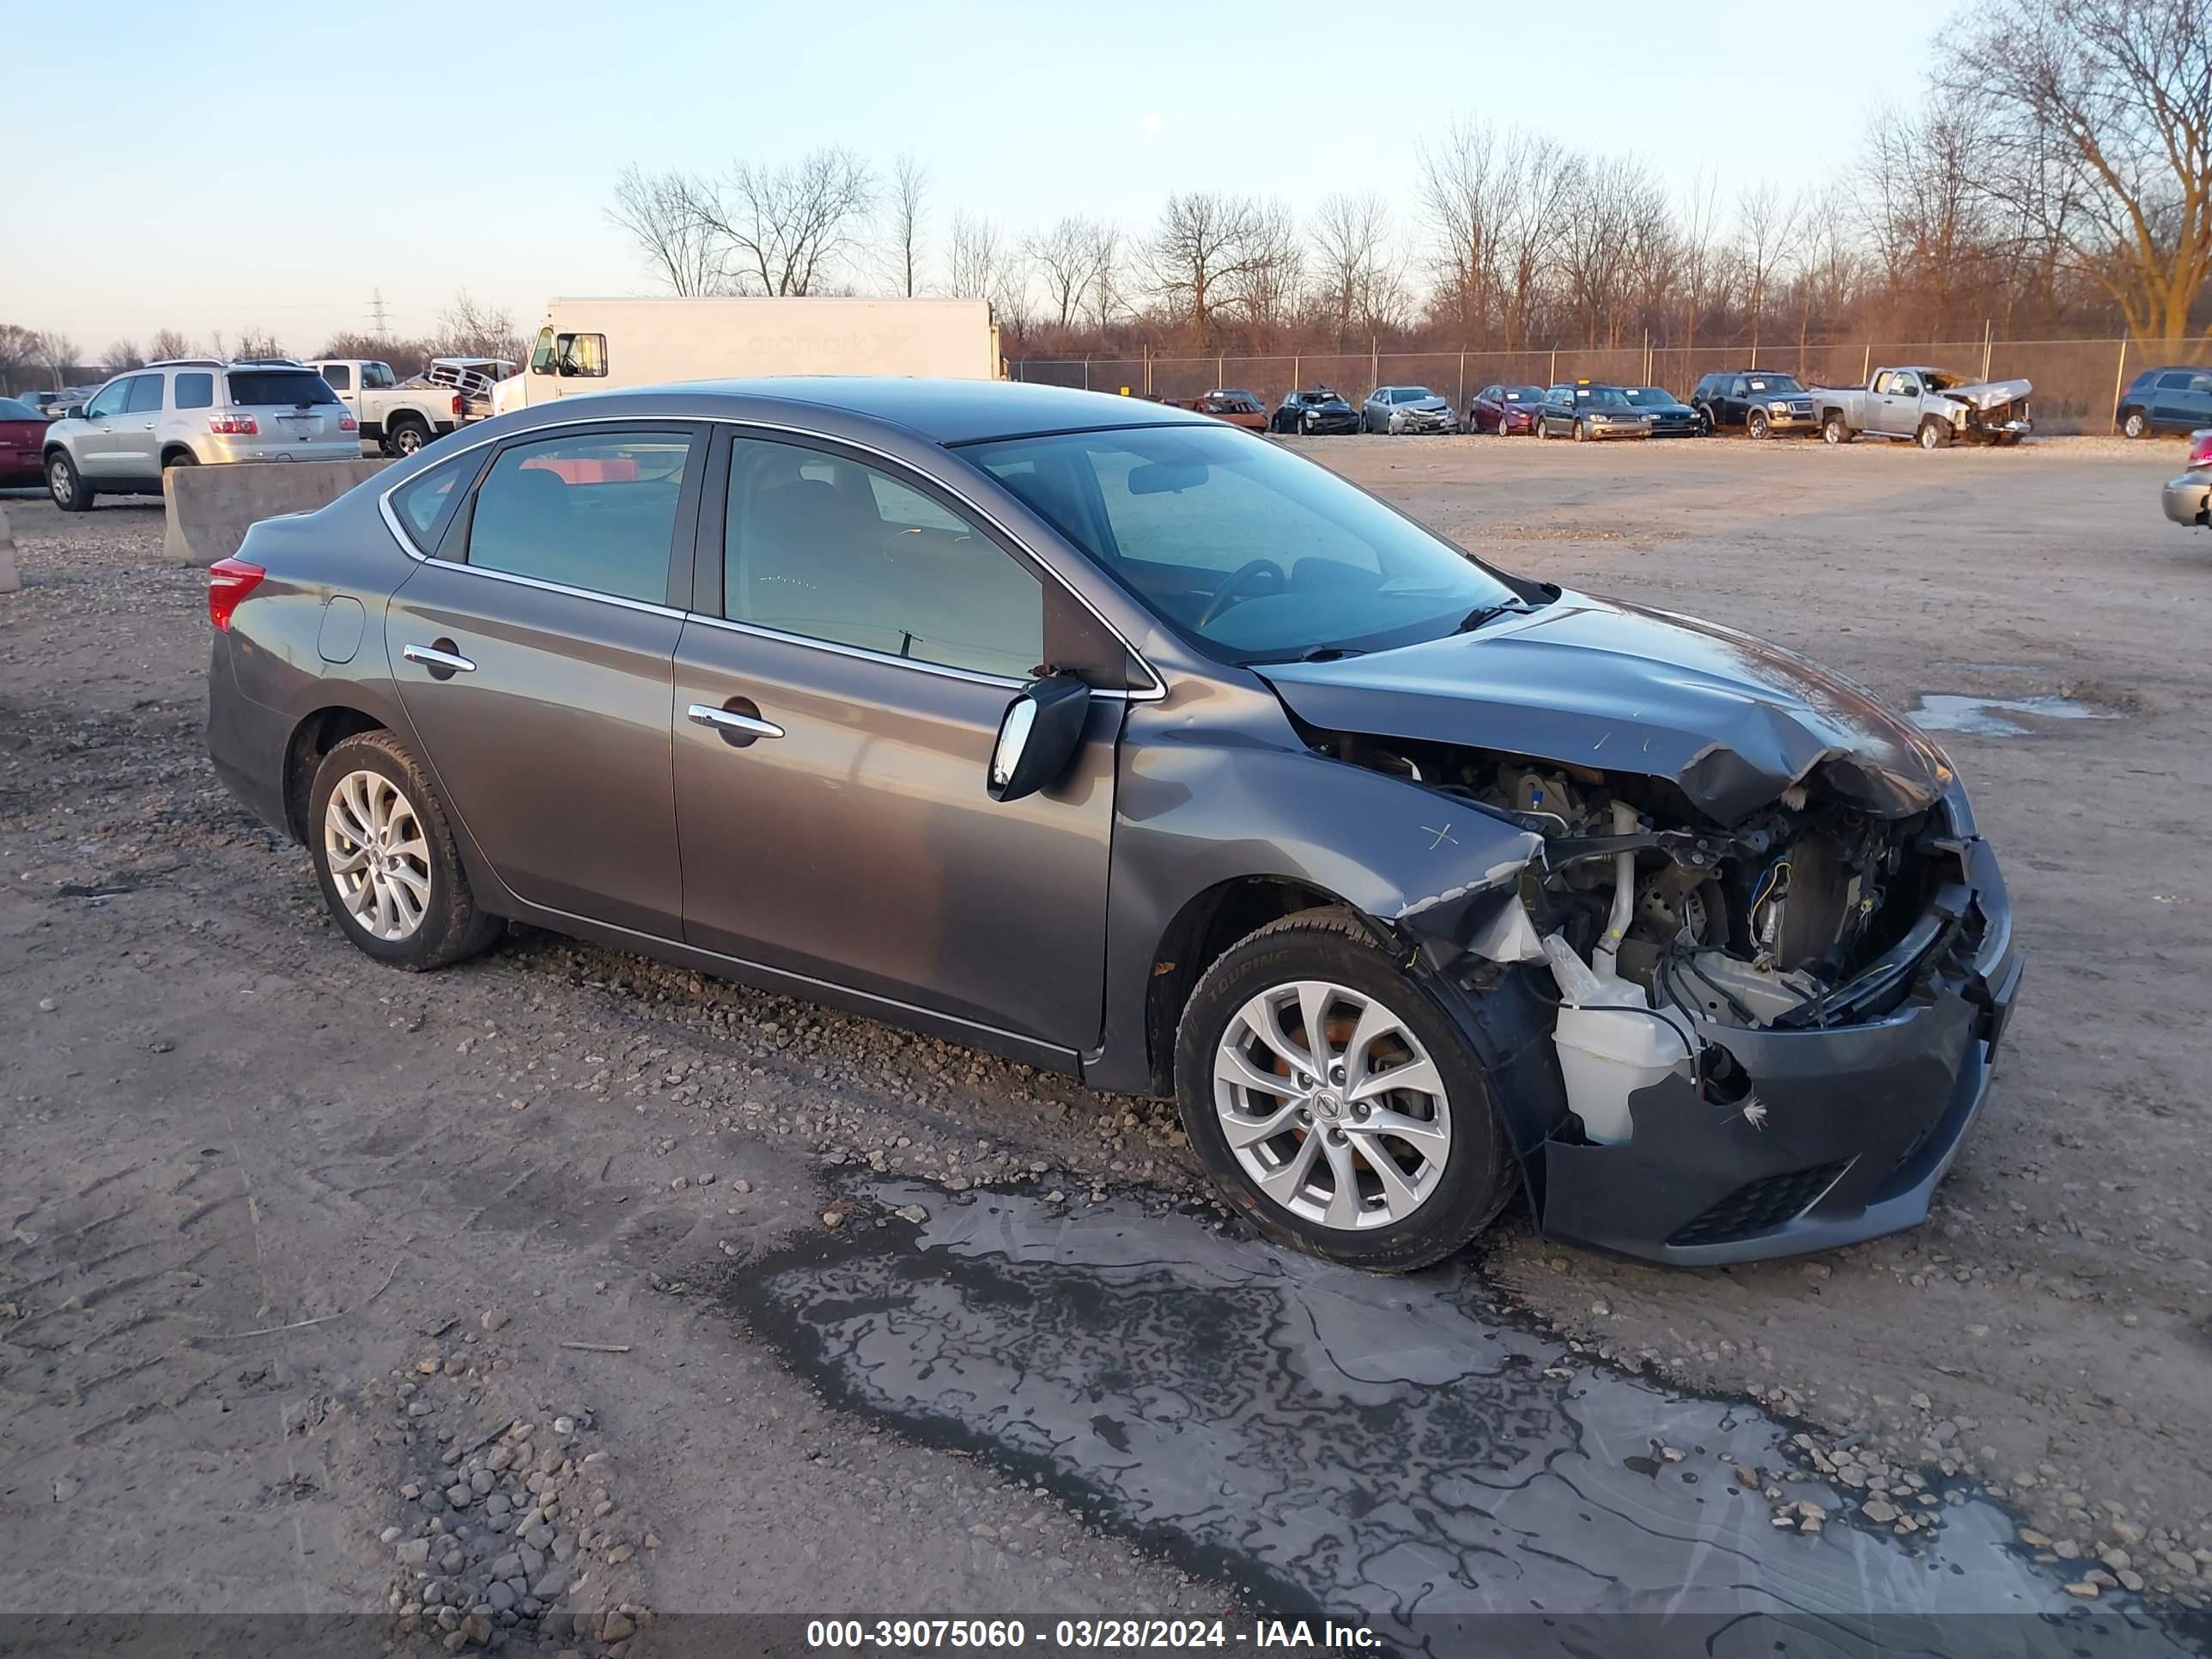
(1742, 1008)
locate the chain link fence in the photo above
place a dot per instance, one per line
(2077, 382)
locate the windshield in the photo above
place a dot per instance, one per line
(1941, 379)
(1601, 397)
(1649, 394)
(1261, 557)
(266, 388)
(1775, 383)
(1524, 394)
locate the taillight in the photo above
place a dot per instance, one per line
(234, 425)
(229, 580)
(347, 423)
(457, 405)
(2200, 447)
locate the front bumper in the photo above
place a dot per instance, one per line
(1615, 430)
(1686, 427)
(2186, 498)
(1439, 422)
(1329, 425)
(1793, 421)
(1860, 1122)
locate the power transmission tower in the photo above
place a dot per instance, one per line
(377, 325)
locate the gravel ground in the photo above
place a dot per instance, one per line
(497, 1197)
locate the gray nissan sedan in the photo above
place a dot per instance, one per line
(1105, 736)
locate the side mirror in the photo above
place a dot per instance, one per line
(1037, 736)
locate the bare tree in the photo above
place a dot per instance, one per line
(121, 358)
(18, 351)
(660, 212)
(168, 342)
(1267, 288)
(1465, 187)
(977, 258)
(1109, 301)
(1766, 227)
(1065, 258)
(787, 230)
(1201, 259)
(909, 184)
(1537, 174)
(1704, 271)
(1609, 203)
(2099, 121)
(1356, 281)
(466, 329)
(56, 353)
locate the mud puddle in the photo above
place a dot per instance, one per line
(1397, 1452)
(2001, 717)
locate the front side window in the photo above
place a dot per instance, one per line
(541, 354)
(826, 548)
(595, 511)
(108, 401)
(145, 396)
(196, 390)
(338, 376)
(584, 355)
(1261, 555)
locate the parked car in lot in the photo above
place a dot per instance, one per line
(1930, 407)
(189, 412)
(1586, 411)
(1761, 403)
(22, 445)
(2186, 497)
(1314, 411)
(1230, 403)
(1504, 409)
(2165, 400)
(397, 419)
(1398, 409)
(1670, 417)
(1418, 883)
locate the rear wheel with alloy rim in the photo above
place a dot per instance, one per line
(385, 858)
(1335, 1102)
(2136, 424)
(1836, 429)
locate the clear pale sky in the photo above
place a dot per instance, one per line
(215, 166)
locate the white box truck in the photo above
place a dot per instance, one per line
(597, 345)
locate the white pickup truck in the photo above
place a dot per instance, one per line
(399, 419)
(1931, 407)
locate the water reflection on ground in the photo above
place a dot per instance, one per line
(1395, 1451)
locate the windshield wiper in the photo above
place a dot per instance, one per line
(1475, 618)
(1331, 652)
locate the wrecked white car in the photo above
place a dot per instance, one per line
(1931, 407)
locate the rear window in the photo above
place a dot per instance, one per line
(11, 410)
(278, 388)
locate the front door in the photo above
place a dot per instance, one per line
(534, 656)
(100, 447)
(138, 434)
(871, 637)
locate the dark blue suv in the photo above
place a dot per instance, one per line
(2166, 399)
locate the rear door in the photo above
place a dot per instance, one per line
(534, 657)
(874, 631)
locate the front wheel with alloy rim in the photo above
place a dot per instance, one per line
(386, 859)
(1336, 1102)
(66, 485)
(1754, 424)
(1934, 433)
(407, 437)
(1582, 435)
(1836, 429)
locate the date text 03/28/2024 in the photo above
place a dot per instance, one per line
(1290, 1636)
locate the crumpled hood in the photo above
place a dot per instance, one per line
(1600, 683)
(1988, 394)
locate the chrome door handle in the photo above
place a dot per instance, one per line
(432, 659)
(724, 719)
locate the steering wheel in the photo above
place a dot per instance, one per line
(1232, 591)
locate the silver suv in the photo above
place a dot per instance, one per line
(189, 412)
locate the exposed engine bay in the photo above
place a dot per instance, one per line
(1662, 931)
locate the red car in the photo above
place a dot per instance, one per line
(22, 438)
(1504, 409)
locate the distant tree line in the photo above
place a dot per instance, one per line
(46, 359)
(2055, 178)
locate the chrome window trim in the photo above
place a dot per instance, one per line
(1153, 693)
(838, 648)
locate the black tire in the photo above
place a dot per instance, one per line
(404, 437)
(1705, 421)
(1581, 435)
(2134, 424)
(66, 485)
(1934, 433)
(1477, 1175)
(1537, 428)
(1836, 430)
(182, 458)
(452, 927)
(1754, 425)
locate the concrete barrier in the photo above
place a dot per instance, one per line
(9, 581)
(209, 508)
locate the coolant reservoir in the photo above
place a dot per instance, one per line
(1611, 1042)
